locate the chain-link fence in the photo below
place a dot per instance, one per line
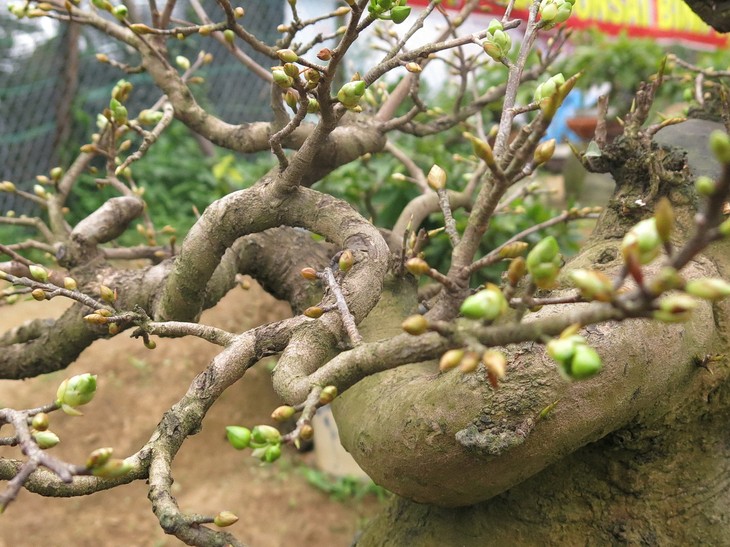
(52, 86)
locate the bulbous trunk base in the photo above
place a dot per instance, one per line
(665, 484)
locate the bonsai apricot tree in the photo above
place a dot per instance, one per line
(567, 400)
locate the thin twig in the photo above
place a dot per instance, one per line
(347, 319)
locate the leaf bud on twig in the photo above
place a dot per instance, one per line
(450, 359)
(328, 395)
(415, 325)
(225, 518)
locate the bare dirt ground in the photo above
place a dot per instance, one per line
(276, 505)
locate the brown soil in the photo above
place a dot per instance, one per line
(275, 503)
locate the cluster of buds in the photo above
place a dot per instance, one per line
(76, 391)
(263, 439)
(497, 43)
(544, 262)
(549, 87)
(284, 75)
(44, 437)
(467, 361)
(576, 359)
(551, 93)
(118, 112)
(390, 10)
(553, 12)
(101, 464)
(351, 93)
(487, 304)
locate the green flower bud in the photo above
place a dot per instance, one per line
(585, 363)
(495, 363)
(38, 294)
(39, 273)
(450, 359)
(708, 288)
(724, 228)
(40, 421)
(283, 413)
(99, 457)
(225, 518)
(351, 93)
(564, 12)
(415, 325)
(76, 391)
(544, 261)
(312, 105)
(548, 11)
(229, 36)
(112, 469)
(644, 240)
(265, 434)
(561, 349)
(282, 79)
(544, 152)
(287, 55)
(347, 259)
(664, 219)
(291, 70)
(705, 186)
(494, 25)
(102, 4)
(675, 308)
(149, 117)
(437, 178)
(7, 186)
(399, 14)
(720, 145)
(120, 12)
(328, 395)
(666, 280)
(182, 62)
(107, 294)
(417, 266)
(239, 437)
(39, 191)
(513, 250)
(593, 285)
(516, 270)
(45, 439)
(487, 304)
(272, 453)
(314, 312)
(503, 40)
(492, 49)
(469, 363)
(56, 173)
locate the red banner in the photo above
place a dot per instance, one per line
(670, 20)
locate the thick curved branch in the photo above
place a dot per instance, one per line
(260, 208)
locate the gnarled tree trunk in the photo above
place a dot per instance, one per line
(638, 454)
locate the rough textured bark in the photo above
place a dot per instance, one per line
(715, 14)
